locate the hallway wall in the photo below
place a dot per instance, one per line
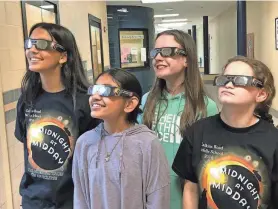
(12, 69)
(129, 21)
(80, 20)
(200, 45)
(223, 39)
(261, 21)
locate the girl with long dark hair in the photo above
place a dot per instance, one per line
(51, 113)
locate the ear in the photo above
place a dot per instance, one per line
(185, 62)
(131, 104)
(261, 96)
(63, 58)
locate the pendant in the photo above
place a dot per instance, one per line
(107, 158)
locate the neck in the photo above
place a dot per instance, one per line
(175, 85)
(111, 127)
(51, 81)
(239, 117)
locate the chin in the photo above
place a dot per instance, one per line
(228, 102)
(162, 75)
(33, 69)
(36, 69)
(95, 115)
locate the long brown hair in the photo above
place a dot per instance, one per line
(195, 106)
(262, 73)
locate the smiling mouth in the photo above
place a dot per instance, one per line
(97, 105)
(35, 59)
(160, 66)
(226, 92)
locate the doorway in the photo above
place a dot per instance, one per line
(96, 45)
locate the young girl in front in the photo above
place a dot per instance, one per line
(51, 113)
(119, 164)
(177, 98)
(230, 161)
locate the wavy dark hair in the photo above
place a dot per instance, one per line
(72, 72)
(195, 106)
(262, 73)
(129, 82)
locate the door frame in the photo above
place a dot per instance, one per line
(96, 22)
(23, 3)
(24, 17)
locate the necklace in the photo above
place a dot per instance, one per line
(108, 154)
(174, 89)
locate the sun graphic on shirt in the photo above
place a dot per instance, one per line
(232, 177)
(49, 143)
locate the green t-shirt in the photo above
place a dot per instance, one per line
(167, 129)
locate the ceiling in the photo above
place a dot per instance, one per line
(191, 10)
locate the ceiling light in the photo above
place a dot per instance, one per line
(169, 9)
(159, 1)
(167, 15)
(177, 24)
(122, 10)
(174, 20)
(47, 6)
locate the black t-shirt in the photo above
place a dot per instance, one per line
(235, 168)
(49, 129)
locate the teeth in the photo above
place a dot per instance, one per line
(35, 59)
(96, 105)
(160, 66)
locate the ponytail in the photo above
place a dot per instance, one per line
(263, 112)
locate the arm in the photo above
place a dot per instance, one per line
(184, 168)
(274, 181)
(79, 180)
(158, 178)
(20, 127)
(190, 195)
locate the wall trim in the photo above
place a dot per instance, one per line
(208, 81)
(4, 151)
(11, 96)
(273, 112)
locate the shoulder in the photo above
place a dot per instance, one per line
(144, 133)
(212, 108)
(206, 121)
(82, 103)
(270, 129)
(90, 137)
(265, 134)
(20, 103)
(144, 99)
(144, 136)
(203, 125)
(142, 106)
(82, 98)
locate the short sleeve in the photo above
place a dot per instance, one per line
(20, 128)
(274, 180)
(183, 162)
